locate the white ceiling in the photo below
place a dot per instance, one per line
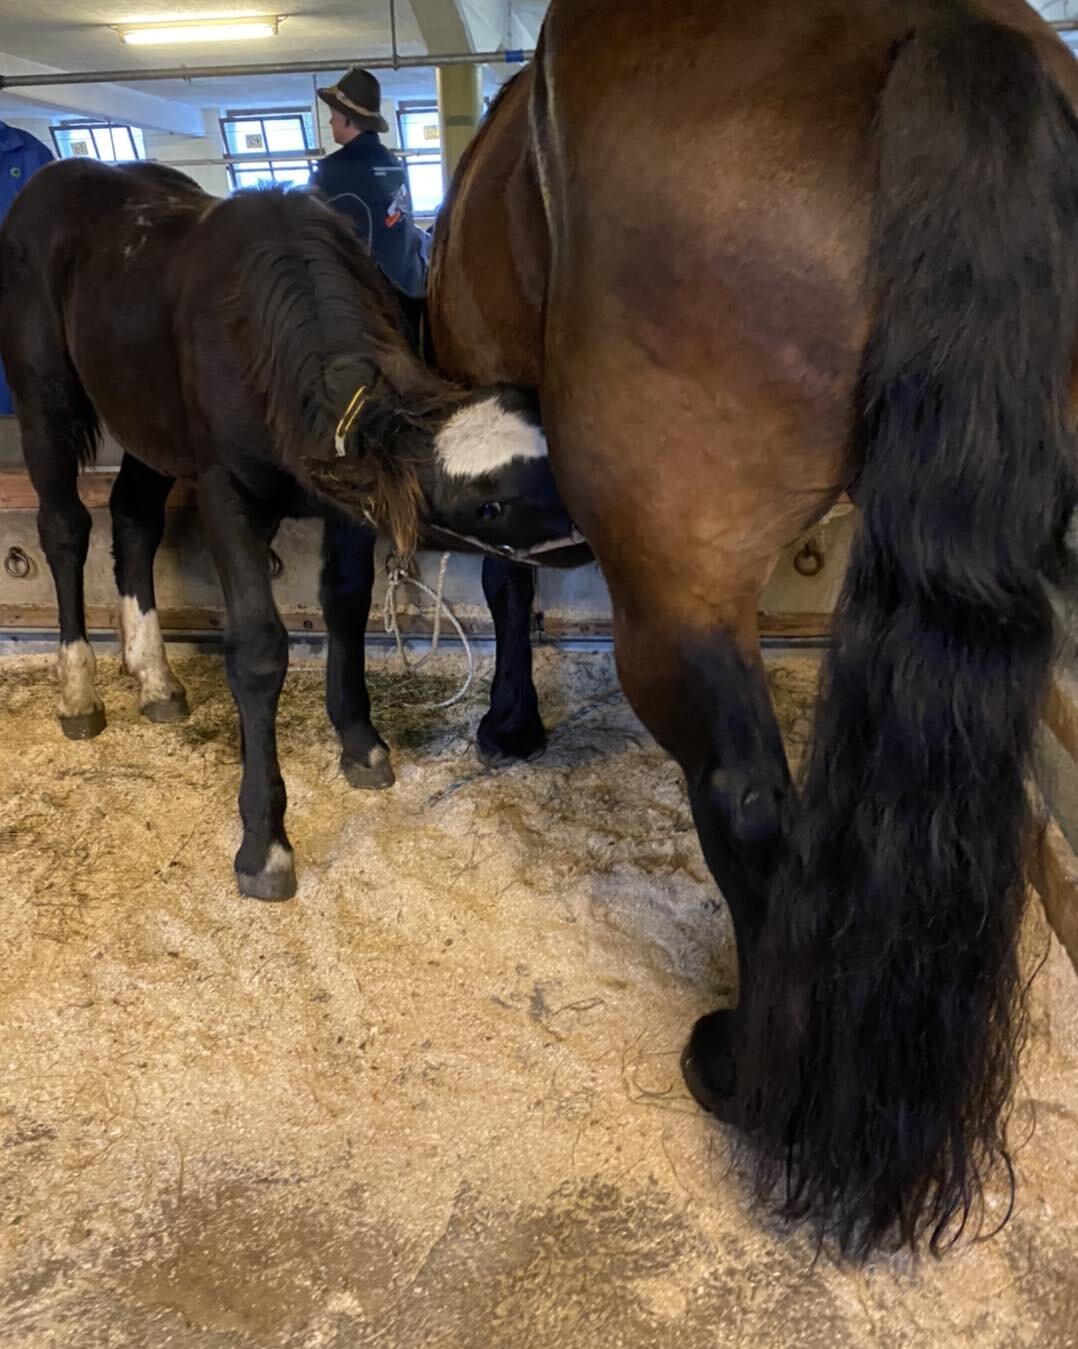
(76, 36)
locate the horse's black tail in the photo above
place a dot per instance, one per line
(885, 1011)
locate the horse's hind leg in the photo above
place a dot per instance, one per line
(63, 524)
(138, 521)
(512, 729)
(347, 582)
(702, 691)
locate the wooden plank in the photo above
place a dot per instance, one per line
(1054, 875)
(176, 623)
(17, 492)
(179, 623)
(806, 626)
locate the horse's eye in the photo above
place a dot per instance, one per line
(490, 510)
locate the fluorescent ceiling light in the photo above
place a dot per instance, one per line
(202, 30)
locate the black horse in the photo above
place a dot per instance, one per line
(250, 345)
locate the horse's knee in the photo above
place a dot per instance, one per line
(256, 650)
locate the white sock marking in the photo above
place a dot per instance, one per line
(75, 668)
(144, 654)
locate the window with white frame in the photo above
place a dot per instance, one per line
(275, 145)
(420, 134)
(98, 140)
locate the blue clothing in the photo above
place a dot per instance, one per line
(20, 156)
(368, 184)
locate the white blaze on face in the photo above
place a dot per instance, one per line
(485, 437)
(144, 654)
(76, 667)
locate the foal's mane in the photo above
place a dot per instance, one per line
(315, 322)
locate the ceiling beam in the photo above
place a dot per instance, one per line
(109, 102)
(441, 26)
(494, 24)
(487, 22)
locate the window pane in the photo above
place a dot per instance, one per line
(254, 175)
(75, 143)
(245, 136)
(425, 181)
(272, 133)
(284, 134)
(420, 129)
(292, 171)
(113, 144)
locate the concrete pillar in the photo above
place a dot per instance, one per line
(460, 106)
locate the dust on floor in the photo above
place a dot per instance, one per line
(435, 1100)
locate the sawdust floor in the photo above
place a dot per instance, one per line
(435, 1100)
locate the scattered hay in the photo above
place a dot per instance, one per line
(434, 1101)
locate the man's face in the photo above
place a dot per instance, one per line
(340, 127)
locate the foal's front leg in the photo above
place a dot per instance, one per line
(512, 729)
(347, 582)
(256, 658)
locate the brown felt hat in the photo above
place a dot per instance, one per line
(357, 95)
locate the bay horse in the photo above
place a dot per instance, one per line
(251, 345)
(753, 254)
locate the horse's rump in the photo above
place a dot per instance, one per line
(738, 207)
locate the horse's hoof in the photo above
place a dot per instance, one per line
(498, 759)
(506, 750)
(272, 886)
(708, 1066)
(84, 726)
(275, 882)
(167, 709)
(374, 773)
(498, 747)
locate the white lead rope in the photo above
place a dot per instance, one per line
(398, 577)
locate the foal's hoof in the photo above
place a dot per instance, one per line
(167, 709)
(499, 759)
(373, 773)
(84, 726)
(502, 749)
(276, 881)
(510, 742)
(708, 1065)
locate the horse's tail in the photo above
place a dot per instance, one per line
(316, 327)
(885, 1012)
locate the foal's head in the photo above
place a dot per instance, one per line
(490, 477)
(474, 467)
